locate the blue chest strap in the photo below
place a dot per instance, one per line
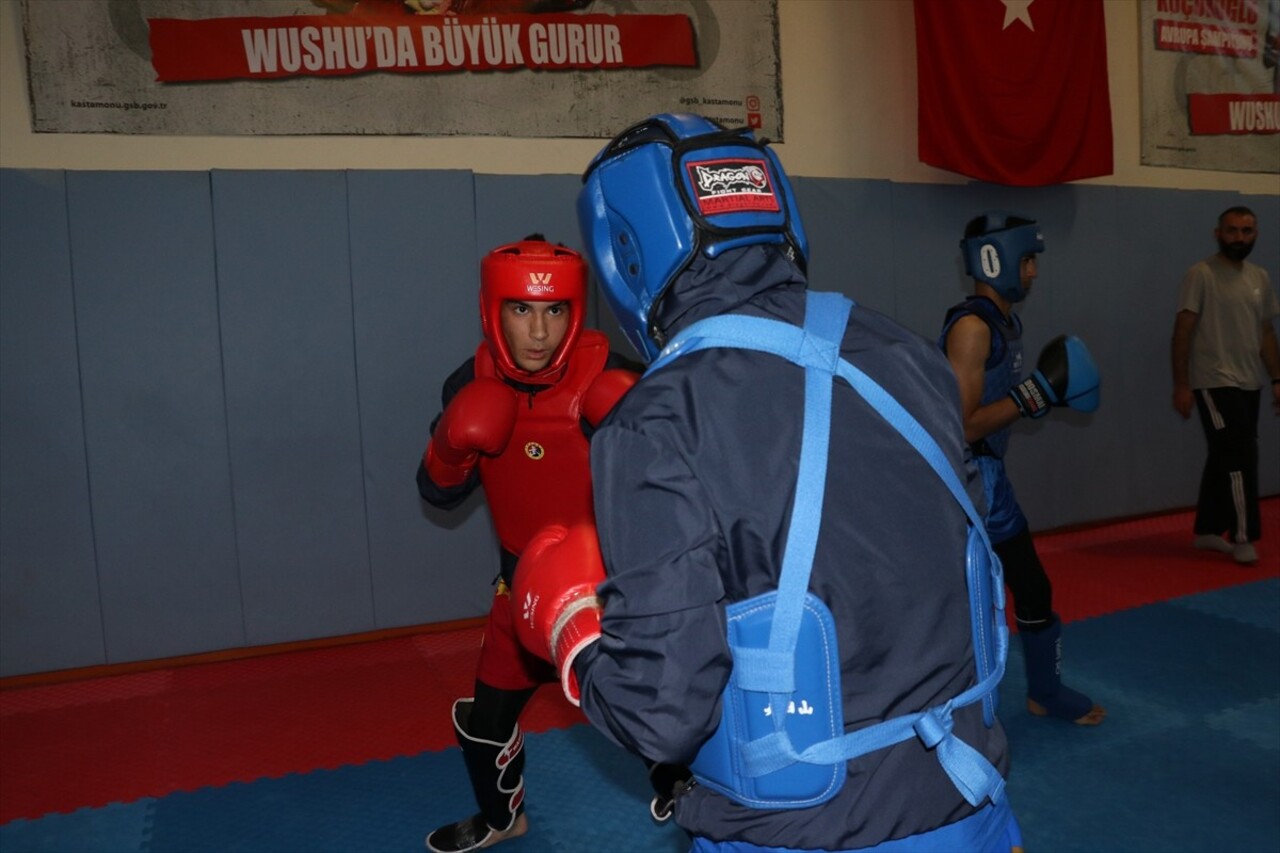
(768, 673)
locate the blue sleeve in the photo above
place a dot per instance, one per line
(654, 680)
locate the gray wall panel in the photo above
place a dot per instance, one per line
(928, 277)
(284, 284)
(1159, 457)
(142, 250)
(1063, 463)
(285, 508)
(50, 616)
(509, 207)
(850, 232)
(415, 277)
(1267, 254)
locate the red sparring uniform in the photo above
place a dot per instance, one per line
(519, 434)
(542, 478)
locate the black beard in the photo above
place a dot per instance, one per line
(1235, 251)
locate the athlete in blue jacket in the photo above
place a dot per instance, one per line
(695, 474)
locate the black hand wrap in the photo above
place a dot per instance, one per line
(668, 781)
(1030, 397)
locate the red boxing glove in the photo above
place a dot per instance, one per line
(479, 419)
(555, 591)
(605, 392)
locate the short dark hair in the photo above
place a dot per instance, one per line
(1238, 210)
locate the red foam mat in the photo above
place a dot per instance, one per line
(1126, 564)
(120, 738)
(117, 739)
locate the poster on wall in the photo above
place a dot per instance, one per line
(521, 68)
(1211, 84)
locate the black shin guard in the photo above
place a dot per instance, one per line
(496, 770)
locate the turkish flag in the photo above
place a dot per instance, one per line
(1014, 91)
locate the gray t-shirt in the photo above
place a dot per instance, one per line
(1232, 304)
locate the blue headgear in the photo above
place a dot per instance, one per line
(664, 190)
(995, 256)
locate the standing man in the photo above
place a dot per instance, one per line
(690, 227)
(516, 420)
(1224, 350)
(982, 338)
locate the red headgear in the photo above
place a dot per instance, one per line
(531, 271)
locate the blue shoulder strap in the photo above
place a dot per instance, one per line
(816, 347)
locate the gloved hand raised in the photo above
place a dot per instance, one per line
(1065, 375)
(605, 392)
(554, 593)
(479, 419)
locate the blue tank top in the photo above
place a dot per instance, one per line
(1003, 365)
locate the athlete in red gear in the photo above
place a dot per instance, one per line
(516, 420)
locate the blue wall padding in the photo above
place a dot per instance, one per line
(413, 278)
(50, 614)
(851, 235)
(217, 385)
(1114, 259)
(154, 413)
(293, 423)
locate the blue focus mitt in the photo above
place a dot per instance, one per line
(1065, 375)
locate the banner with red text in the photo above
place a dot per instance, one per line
(523, 68)
(1211, 84)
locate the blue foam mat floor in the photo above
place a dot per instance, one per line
(1188, 760)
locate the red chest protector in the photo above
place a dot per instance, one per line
(544, 475)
